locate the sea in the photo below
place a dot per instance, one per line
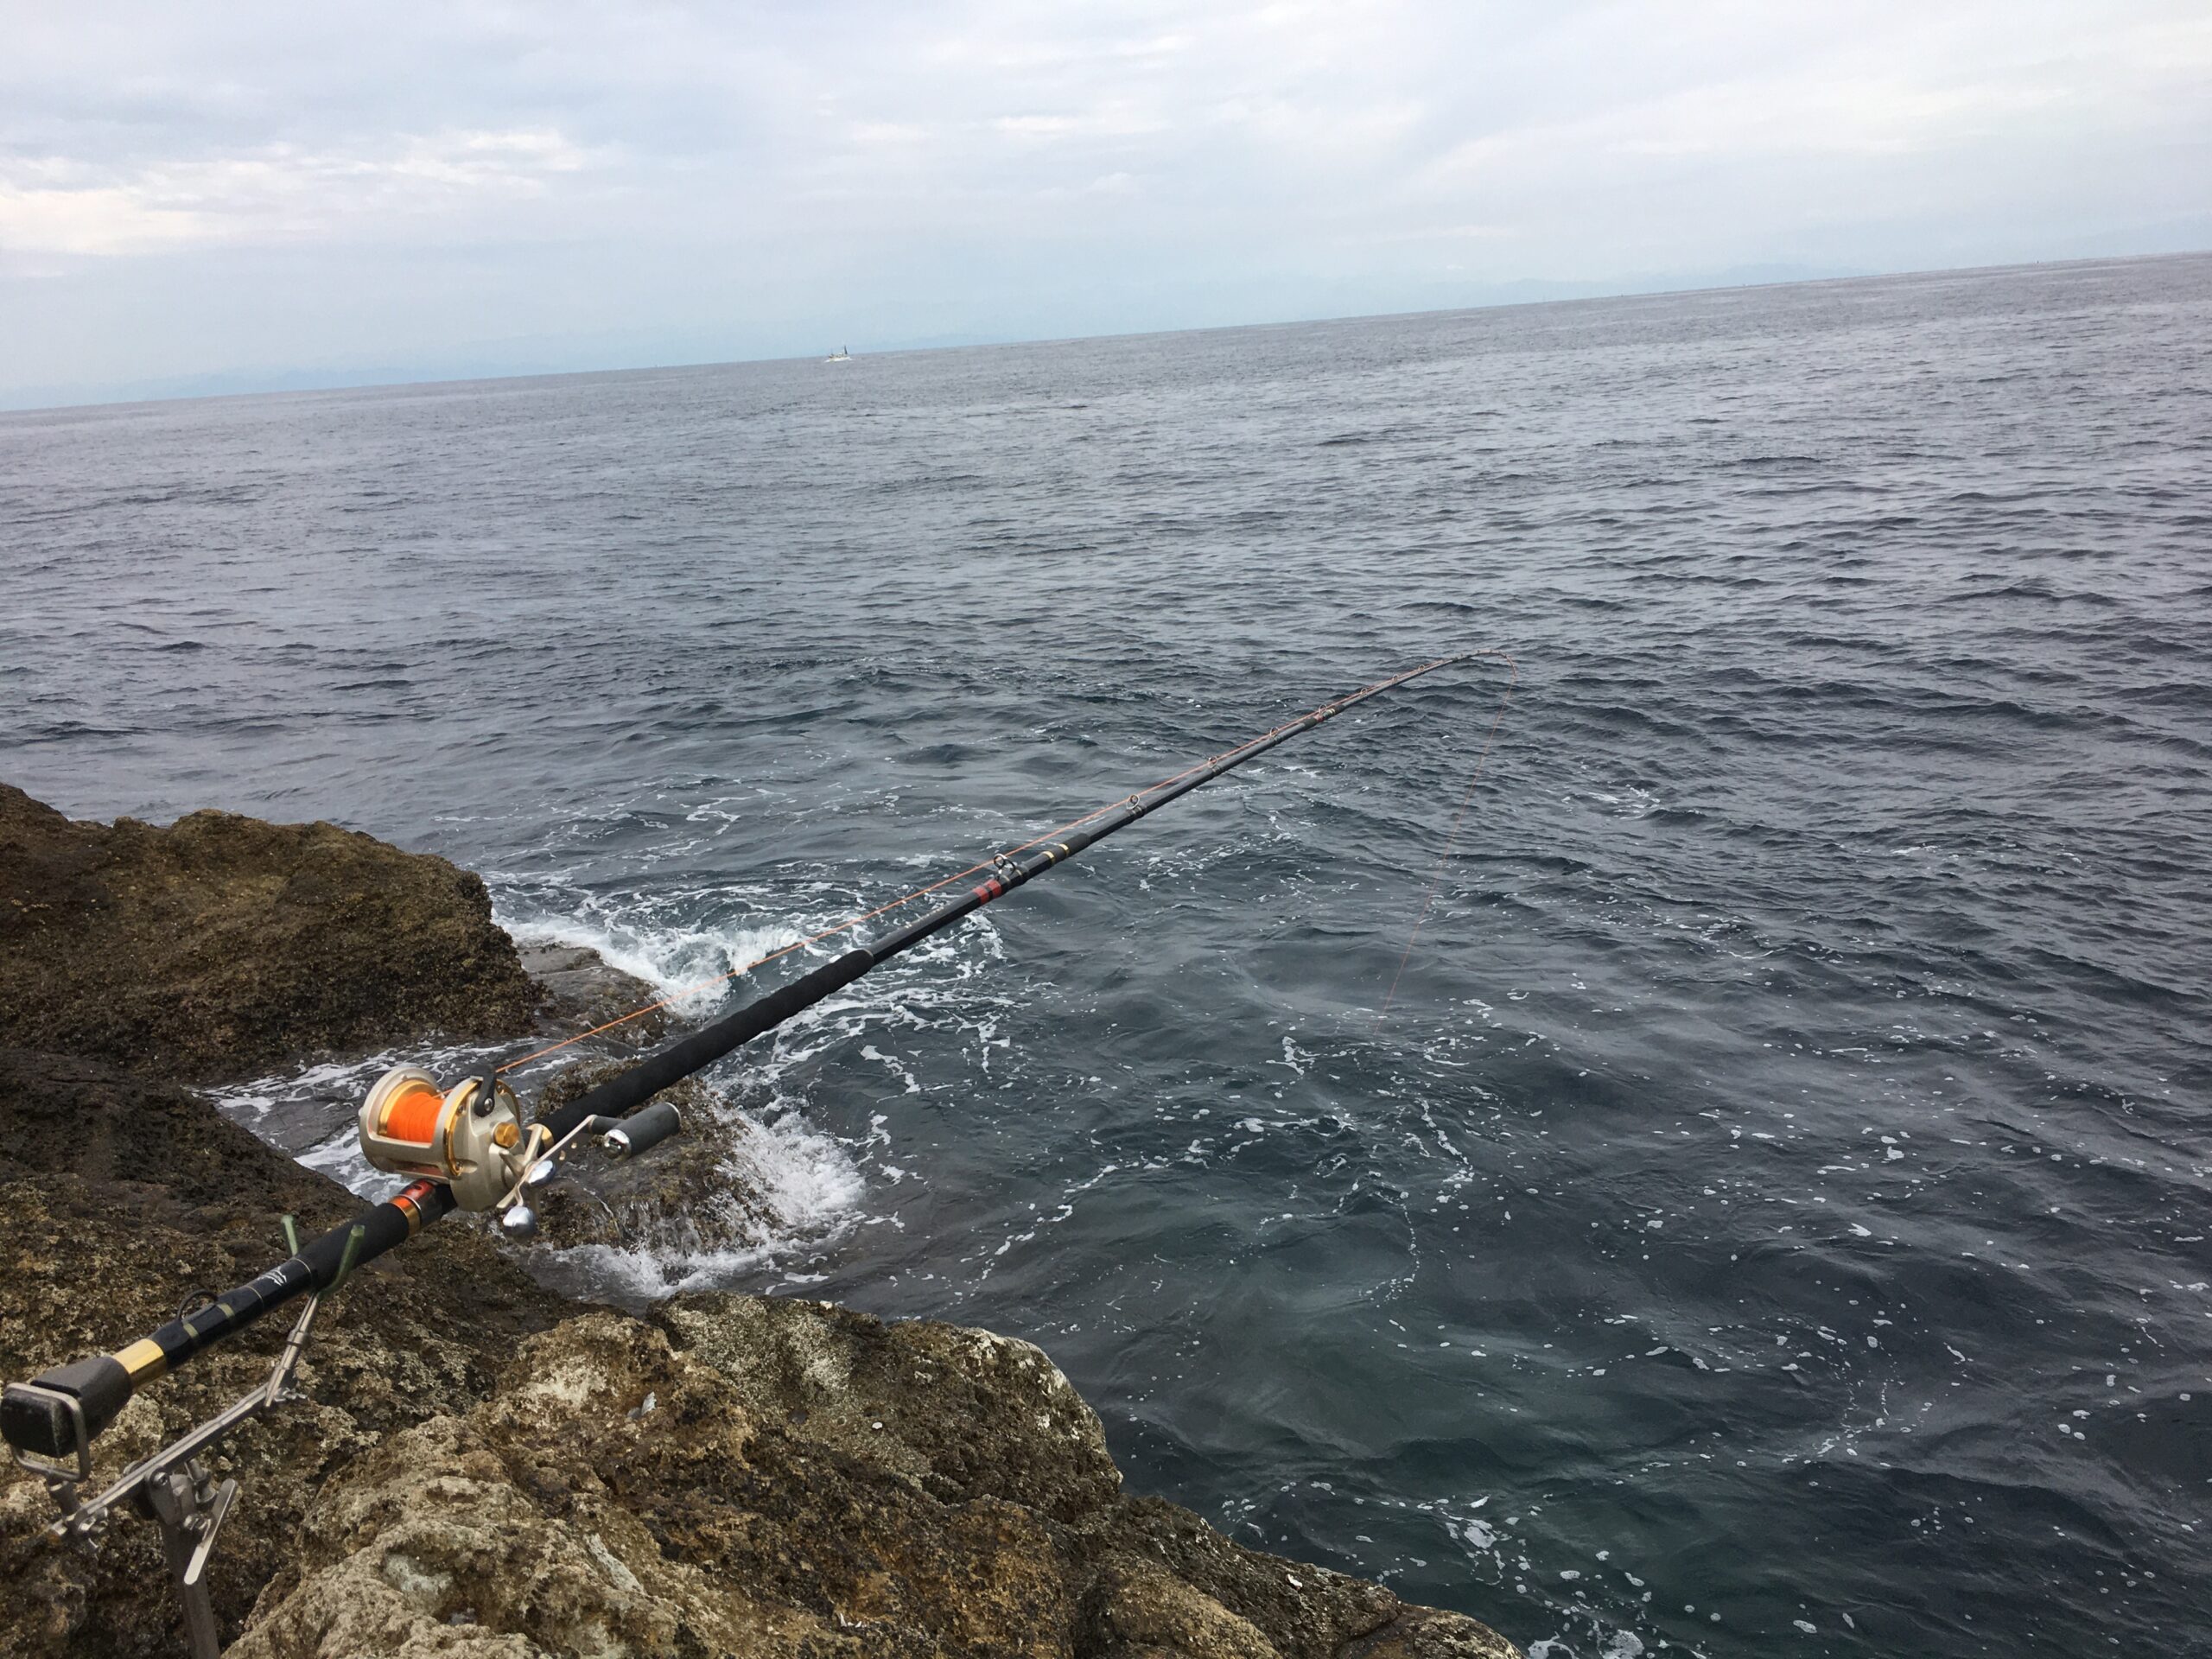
(1772, 1216)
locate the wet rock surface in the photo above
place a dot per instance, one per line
(736, 1475)
(586, 994)
(221, 947)
(119, 1197)
(478, 1467)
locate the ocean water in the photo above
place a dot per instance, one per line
(1773, 1215)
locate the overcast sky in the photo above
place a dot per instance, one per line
(214, 194)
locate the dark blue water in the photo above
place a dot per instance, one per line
(1773, 1217)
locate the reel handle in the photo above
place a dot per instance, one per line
(643, 1130)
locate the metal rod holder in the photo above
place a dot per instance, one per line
(178, 1490)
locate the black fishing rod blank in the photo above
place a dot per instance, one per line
(621, 1094)
(468, 1149)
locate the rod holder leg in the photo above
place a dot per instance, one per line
(188, 1523)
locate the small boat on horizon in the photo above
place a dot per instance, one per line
(840, 355)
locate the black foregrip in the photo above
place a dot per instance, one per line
(317, 1267)
(621, 1094)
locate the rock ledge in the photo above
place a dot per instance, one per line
(481, 1467)
(222, 947)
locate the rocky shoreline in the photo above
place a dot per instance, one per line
(481, 1466)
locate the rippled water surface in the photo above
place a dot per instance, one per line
(1773, 1217)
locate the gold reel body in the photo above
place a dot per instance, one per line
(479, 1148)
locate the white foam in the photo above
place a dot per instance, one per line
(670, 960)
(806, 1184)
(808, 1187)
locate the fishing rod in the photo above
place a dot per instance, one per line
(467, 1147)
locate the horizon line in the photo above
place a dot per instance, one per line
(342, 380)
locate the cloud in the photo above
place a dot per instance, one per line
(756, 178)
(276, 193)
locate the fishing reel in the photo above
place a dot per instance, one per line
(470, 1136)
(472, 1139)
